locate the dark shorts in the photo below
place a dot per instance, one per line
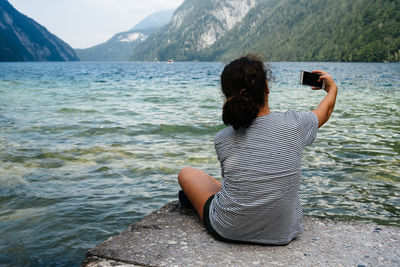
(211, 230)
(207, 223)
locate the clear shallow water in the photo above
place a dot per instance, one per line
(88, 148)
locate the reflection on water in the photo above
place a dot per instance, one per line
(88, 148)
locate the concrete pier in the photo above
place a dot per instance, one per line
(174, 236)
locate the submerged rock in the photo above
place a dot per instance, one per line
(175, 236)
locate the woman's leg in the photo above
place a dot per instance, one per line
(198, 187)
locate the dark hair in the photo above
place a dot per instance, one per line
(243, 83)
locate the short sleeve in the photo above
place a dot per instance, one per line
(309, 126)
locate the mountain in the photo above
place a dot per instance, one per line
(281, 30)
(195, 26)
(23, 39)
(121, 45)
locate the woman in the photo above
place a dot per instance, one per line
(260, 157)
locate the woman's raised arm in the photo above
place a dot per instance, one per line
(326, 106)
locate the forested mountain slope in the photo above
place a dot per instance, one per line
(282, 30)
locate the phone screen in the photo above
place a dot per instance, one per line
(310, 78)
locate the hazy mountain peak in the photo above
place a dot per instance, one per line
(121, 45)
(154, 21)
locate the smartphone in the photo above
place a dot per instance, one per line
(311, 79)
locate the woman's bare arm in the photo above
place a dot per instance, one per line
(326, 106)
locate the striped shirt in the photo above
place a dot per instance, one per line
(259, 200)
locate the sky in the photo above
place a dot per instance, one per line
(85, 23)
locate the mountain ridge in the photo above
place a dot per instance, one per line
(23, 39)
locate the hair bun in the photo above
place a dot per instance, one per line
(239, 112)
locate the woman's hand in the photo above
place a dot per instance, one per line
(325, 108)
(324, 76)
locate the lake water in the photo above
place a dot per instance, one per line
(88, 148)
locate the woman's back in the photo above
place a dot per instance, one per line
(261, 168)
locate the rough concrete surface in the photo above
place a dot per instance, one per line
(174, 236)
